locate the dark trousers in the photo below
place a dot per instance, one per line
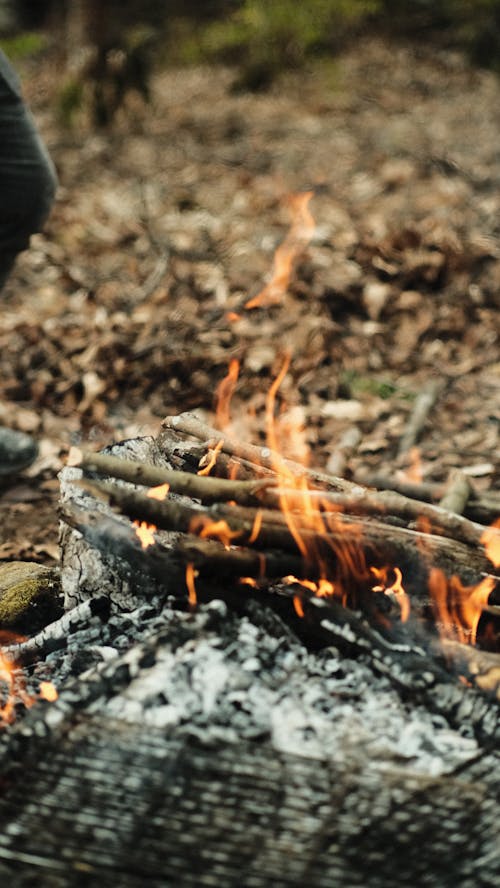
(27, 176)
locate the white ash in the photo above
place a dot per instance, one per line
(218, 677)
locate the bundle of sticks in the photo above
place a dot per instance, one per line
(332, 514)
(252, 528)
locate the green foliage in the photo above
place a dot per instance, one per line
(264, 37)
(24, 45)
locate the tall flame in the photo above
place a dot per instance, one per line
(299, 235)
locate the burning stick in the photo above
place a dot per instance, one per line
(206, 489)
(188, 424)
(379, 542)
(352, 497)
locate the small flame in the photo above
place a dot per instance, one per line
(145, 532)
(395, 588)
(248, 581)
(491, 542)
(159, 493)
(209, 460)
(48, 691)
(207, 529)
(191, 574)
(299, 235)
(256, 527)
(297, 603)
(458, 608)
(232, 317)
(224, 394)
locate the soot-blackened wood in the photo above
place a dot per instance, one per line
(113, 804)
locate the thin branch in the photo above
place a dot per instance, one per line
(205, 488)
(188, 424)
(376, 543)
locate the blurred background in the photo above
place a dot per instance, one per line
(180, 130)
(121, 40)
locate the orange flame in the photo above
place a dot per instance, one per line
(458, 608)
(248, 581)
(297, 603)
(256, 527)
(145, 532)
(209, 460)
(299, 235)
(207, 529)
(12, 679)
(224, 394)
(395, 588)
(491, 542)
(191, 587)
(159, 493)
(323, 522)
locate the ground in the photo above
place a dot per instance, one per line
(132, 303)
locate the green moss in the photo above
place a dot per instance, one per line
(29, 596)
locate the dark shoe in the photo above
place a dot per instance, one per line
(17, 451)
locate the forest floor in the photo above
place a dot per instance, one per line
(132, 303)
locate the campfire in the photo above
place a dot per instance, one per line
(235, 618)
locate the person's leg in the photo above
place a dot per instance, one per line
(27, 187)
(27, 176)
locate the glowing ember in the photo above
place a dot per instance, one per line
(301, 232)
(12, 690)
(491, 542)
(210, 459)
(248, 581)
(232, 317)
(458, 608)
(224, 394)
(159, 493)
(47, 691)
(191, 574)
(145, 532)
